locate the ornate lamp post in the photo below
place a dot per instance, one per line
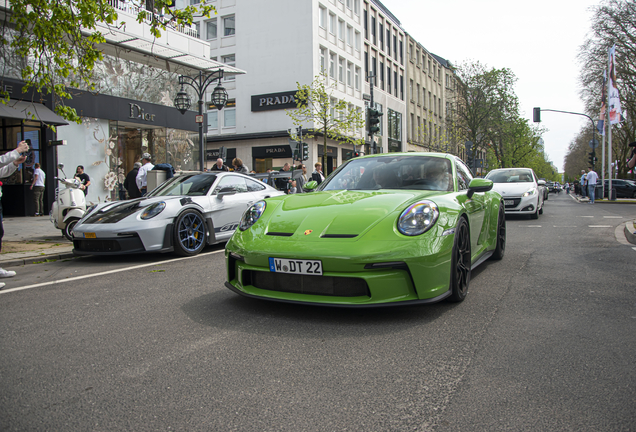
(200, 83)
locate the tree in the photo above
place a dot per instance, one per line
(54, 45)
(613, 23)
(328, 116)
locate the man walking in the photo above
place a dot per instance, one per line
(37, 186)
(219, 166)
(591, 179)
(142, 174)
(131, 181)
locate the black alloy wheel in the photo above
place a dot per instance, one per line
(460, 263)
(500, 249)
(189, 233)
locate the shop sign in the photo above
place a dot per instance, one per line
(274, 101)
(274, 152)
(137, 112)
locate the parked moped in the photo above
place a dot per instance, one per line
(69, 206)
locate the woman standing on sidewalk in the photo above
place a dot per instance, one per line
(9, 162)
(38, 189)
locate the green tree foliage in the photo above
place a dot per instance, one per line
(55, 44)
(613, 23)
(327, 115)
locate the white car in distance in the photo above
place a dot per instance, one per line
(520, 189)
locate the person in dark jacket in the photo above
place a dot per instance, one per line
(131, 183)
(219, 166)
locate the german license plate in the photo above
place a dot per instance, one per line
(509, 202)
(294, 266)
(90, 235)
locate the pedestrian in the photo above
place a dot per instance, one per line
(219, 166)
(292, 187)
(37, 186)
(9, 162)
(84, 179)
(583, 183)
(283, 184)
(303, 178)
(239, 167)
(142, 174)
(130, 184)
(591, 179)
(567, 188)
(317, 174)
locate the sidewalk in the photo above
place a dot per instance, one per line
(32, 239)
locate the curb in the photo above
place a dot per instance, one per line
(629, 235)
(36, 259)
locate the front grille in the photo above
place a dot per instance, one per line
(304, 284)
(515, 202)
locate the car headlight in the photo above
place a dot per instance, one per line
(153, 210)
(418, 218)
(530, 192)
(251, 215)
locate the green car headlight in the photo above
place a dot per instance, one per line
(251, 215)
(153, 210)
(418, 218)
(530, 192)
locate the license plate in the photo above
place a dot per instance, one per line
(90, 235)
(294, 266)
(509, 202)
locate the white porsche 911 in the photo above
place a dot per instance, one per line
(182, 215)
(520, 189)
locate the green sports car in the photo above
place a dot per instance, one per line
(389, 229)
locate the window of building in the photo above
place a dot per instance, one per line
(424, 97)
(423, 61)
(229, 60)
(419, 128)
(401, 53)
(429, 67)
(411, 94)
(366, 65)
(323, 60)
(341, 66)
(412, 126)
(213, 119)
(229, 113)
(210, 29)
(322, 16)
(350, 74)
(332, 24)
(411, 52)
(388, 79)
(381, 75)
(356, 79)
(402, 87)
(356, 7)
(333, 104)
(430, 101)
(341, 30)
(229, 26)
(197, 27)
(349, 35)
(366, 25)
(395, 84)
(348, 4)
(418, 95)
(358, 42)
(373, 35)
(395, 50)
(381, 36)
(388, 40)
(374, 65)
(332, 65)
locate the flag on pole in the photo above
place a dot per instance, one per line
(614, 98)
(601, 122)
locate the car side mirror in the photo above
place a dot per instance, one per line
(310, 186)
(541, 182)
(479, 185)
(226, 191)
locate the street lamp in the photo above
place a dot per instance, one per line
(200, 83)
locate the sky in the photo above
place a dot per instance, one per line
(539, 41)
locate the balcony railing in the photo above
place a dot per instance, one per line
(133, 10)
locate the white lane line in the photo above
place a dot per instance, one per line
(564, 226)
(599, 226)
(105, 273)
(532, 226)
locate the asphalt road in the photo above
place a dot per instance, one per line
(544, 341)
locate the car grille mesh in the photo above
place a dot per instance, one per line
(304, 284)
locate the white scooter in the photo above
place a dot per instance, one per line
(69, 206)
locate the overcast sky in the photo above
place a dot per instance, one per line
(539, 41)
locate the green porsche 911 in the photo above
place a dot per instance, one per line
(388, 229)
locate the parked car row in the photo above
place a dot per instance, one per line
(624, 188)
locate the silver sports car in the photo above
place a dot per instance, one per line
(182, 215)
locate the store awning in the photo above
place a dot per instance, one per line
(24, 110)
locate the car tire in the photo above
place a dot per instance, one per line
(500, 249)
(189, 233)
(68, 229)
(535, 215)
(541, 210)
(460, 263)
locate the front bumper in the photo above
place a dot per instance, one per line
(521, 205)
(156, 236)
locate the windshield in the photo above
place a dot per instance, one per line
(190, 185)
(393, 172)
(511, 176)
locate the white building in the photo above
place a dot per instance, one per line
(280, 43)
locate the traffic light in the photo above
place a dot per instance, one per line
(536, 115)
(592, 159)
(305, 151)
(373, 120)
(356, 154)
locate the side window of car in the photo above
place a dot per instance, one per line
(236, 182)
(463, 175)
(254, 186)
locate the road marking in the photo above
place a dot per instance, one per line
(599, 226)
(532, 226)
(105, 273)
